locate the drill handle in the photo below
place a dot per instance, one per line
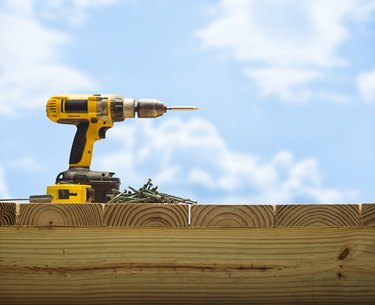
(86, 135)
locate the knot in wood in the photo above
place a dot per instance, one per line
(344, 254)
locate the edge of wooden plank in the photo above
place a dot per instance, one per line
(66, 215)
(368, 215)
(317, 215)
(146, 215)
(232, 216)
(8, 214)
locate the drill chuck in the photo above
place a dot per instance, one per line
(145, 108)
(150, 108)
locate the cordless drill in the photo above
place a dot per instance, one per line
(93, 114)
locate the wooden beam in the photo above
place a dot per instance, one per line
(50, 215)
(177, 215)
(118, 265)
(146, 215)
(7, 213)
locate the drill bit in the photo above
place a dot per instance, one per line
(182, 108)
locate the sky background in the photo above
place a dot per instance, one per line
(286, 91)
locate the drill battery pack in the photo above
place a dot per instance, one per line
(102, 183)
(71, 193)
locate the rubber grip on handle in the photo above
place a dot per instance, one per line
(79, 142)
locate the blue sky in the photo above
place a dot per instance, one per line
(286, 91)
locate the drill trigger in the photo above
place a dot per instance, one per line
(102, 132)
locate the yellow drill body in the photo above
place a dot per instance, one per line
(94, 115)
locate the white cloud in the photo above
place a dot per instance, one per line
(189, 158)
(366, 86)
(288, 83)
(293, 42)
(31, 56)
(3, 186)
(26, 164)
(74, 12)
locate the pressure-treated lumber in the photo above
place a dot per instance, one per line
(317, 215)
(146, 215)
(7, 213)
(99, 265)
(74, 215)
(149, 254)
(221, 216)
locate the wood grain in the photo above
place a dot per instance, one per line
(368, 215)
(146, 215)
(51, 215)
(187, 266)
(317, 215)
(222, 216)
(7, 213)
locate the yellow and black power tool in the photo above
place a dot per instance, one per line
(93, 114)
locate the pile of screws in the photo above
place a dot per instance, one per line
(147, 194)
